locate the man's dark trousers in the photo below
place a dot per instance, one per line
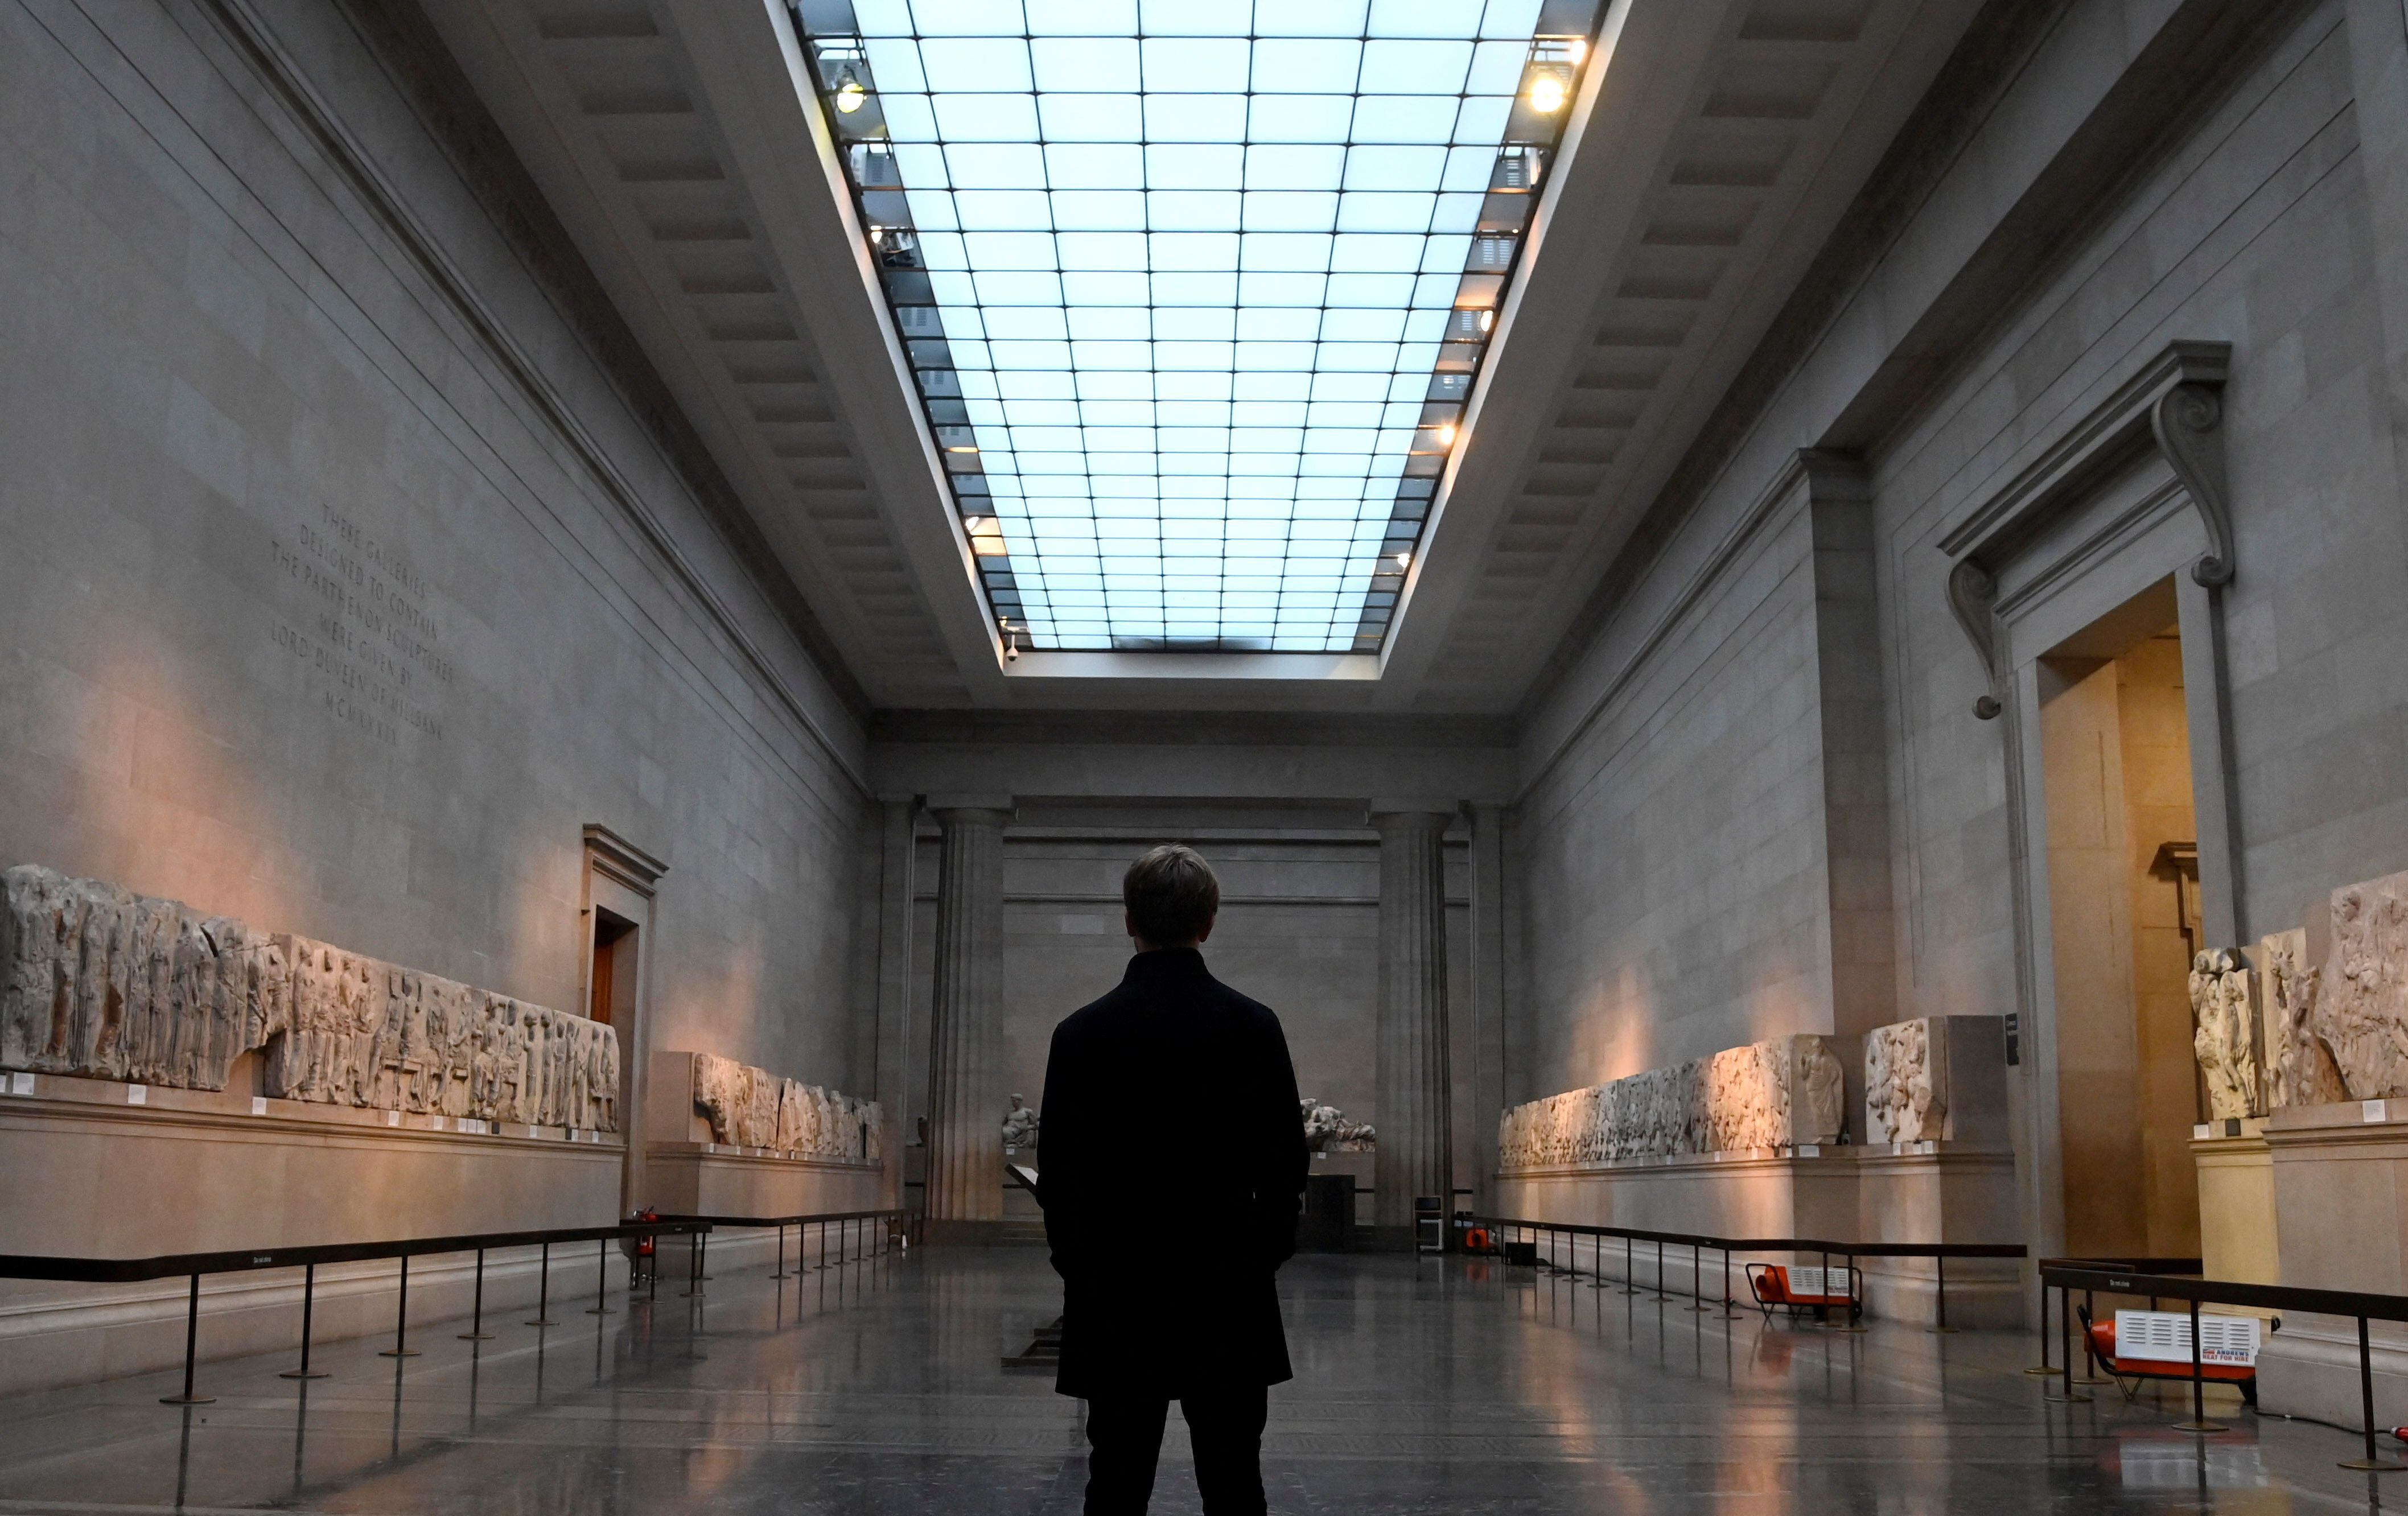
(1224, 1426)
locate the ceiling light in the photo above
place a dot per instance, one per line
(1547, 92)
(1488, 320)
(849, 93)
(1404, 560)
(1446, 435)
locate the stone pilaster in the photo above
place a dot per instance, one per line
(965, 1169)
(1415, 1152)
(899, 817)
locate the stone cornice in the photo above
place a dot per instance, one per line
(2173, 404)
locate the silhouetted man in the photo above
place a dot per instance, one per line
(1173, 1163)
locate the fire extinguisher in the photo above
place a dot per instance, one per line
(646, 1244)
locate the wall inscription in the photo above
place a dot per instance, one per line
(368, 636)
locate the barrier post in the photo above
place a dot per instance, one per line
(543, 1292)
(1697, 1276)
(191, 1340)
(401, 1348)
(2198, 1422)
(308, 1298)
(1940, 1294)
(2371, 1463)
(2065, 1319)
(1629, 1269)
(477, 1332)
(1854, 1319)
(601, 1306)
(778, 1270)
(2089, 1353)
(1730, 1306)
(2045, 1369)
(1659, 1270)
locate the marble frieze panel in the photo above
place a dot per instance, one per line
(103, 984)
(1786, 1092)
(752, 1108)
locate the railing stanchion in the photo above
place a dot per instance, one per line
(778, 1270)
(1629, 1268)
(1940, 1294)
(401, 1348)
(2198, 1422)
(192, 1341)
(543, 1291)
(2372, 1463)
(308, 1301)
(1697, 1275)
(1854, 1320)
(2045, 1369)
(1730, 1306)
(1659, 1271)
(2065, 1319)
(477, 1332)
(601, 1306)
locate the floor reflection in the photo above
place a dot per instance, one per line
(1424, 1386)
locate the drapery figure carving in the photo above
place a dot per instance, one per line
(2223, 1014)
(752, 1108)
(1784, 1092)
(103, 984)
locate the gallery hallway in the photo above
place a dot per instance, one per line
(1438, 1386)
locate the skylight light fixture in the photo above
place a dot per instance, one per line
(1195, 291)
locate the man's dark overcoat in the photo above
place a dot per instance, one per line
(1171, 1167)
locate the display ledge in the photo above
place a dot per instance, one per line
(768, 1155)
(82, 1096)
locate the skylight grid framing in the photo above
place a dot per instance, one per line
(1356, 496)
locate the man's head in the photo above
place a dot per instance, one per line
(1171, 898)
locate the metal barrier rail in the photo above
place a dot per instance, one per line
(1699, 1243)
(2093, 1276)
(698, 1249)
(194, 1264)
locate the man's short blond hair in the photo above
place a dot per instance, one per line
(1171, 896)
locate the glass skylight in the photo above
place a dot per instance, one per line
(1195, 290)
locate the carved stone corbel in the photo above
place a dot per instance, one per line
(2188, 423)
(2173, 405)
(1972, 593)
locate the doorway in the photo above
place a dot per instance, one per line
(2122, 831)
(612, 993)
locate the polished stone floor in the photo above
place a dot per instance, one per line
(1424, 1386)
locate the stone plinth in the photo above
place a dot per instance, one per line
(700, 1178)
(1939, 1191)
(1796, 1193)
(85, 1173)
(2238, 1229)
(2340, 1182)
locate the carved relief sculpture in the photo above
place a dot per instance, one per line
(1020, 1125)
(1328, 1130)
(2360, 1010)
(102, 983)
(1906, 1094)
(2223, 1016)
(1784, 1093)
(752, 1108)
(2299, 1068)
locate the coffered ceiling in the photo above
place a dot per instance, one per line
(1715, 146)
